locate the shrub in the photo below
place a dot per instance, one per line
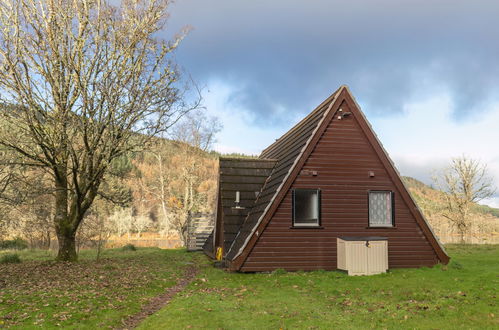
(14, 244)
(10, 258)
(129, 247)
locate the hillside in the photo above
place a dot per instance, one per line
(485, 219)
(143, 193)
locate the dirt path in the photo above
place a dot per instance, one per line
(160, 301)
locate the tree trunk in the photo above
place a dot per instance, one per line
(48, 238)
(166, 223)
(67, 247)
(99, 242)
(462, 233)
(163, 196)
(66, 234)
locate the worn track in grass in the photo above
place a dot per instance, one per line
(160, 301)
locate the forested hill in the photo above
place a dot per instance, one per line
(432, 200)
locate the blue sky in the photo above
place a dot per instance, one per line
(426, 73)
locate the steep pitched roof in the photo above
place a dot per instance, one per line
(287, 150)
(291, 151)
(246, 176)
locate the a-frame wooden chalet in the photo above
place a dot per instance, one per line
(326, 180)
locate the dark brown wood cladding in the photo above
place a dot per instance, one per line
(246, 176)
(342, 158)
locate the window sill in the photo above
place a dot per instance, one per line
(306, 227)
(394, 227)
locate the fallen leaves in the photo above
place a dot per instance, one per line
(51, 293)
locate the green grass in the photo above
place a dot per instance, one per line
(88, 294)
(462, 295)
(98, 294)
(10, 258)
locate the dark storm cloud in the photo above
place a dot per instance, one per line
(293, 54)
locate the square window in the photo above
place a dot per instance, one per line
(380, 209)
(306, 207)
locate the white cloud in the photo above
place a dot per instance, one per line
(425, 137)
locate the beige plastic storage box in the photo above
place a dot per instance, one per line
(363, 255)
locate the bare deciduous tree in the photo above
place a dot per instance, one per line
(91, 81)
(197, 130)
(179, 177)
(140, 223)
(94, 231)
(122, 221)
(465, 181)
(6, 178)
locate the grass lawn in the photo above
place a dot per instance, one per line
(98, 294)
(462, 295)
(88, 294)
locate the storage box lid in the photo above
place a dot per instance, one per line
(364, 238)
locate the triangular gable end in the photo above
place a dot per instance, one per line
(341, 97)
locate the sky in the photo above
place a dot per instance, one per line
(426, 73)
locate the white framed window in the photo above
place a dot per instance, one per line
(381, 209)
(306, 207)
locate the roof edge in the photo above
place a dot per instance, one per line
(248, 159)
